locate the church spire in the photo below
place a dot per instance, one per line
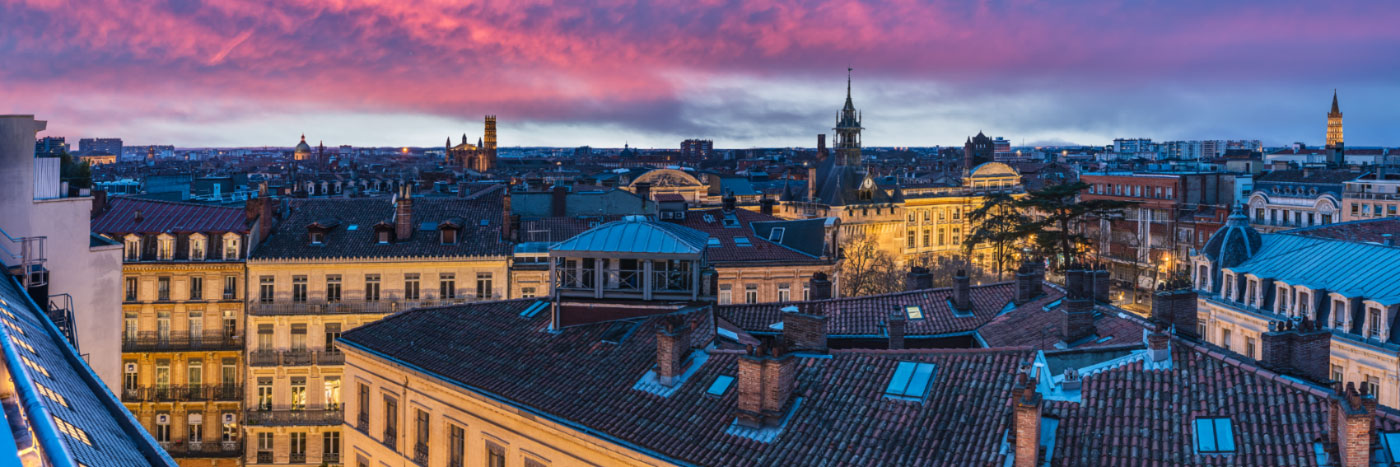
(1335, 108)
(849, 105)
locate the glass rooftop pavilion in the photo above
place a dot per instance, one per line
(631, 259)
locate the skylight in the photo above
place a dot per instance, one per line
(1391, 442)
(1214, 436)
(534, 309)
(730, 221)
(709, 219)
(353, 227)
(618, 331)
(485, 222)
(914, 312)
(426, 226)
(910, 381)
(742, 241)
(776, 235)
(712, 241)
(720, 385)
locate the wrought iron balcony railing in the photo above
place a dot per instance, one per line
(287, 416)
(151, 341)
(295, 357)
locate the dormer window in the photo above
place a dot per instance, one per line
(165, 247)
(776, 235)
(230, 246)
(197, 245)
(449, 229)
(449, 236)
(1373, 322)
(133, 248)
(318, 238)
(383, 237)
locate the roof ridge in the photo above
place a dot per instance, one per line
(133, 198)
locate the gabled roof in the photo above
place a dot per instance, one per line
(167, 217)
(106, 433)
(636, 235)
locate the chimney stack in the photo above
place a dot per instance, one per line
(1302, 349)
(766, 376)
(821, 147)
(1075, 280)
(728, 202)
(766, 205)
(559, 201)
(508, 220)
(1351, 422)
(644, 190)
(403, 213)
(1386, 239)
(672, 346)
(819, 288)
(1079, 312)
(894, 327)
(812, 183)
(1027, 422)
(1176, 308)
(803, 331)
(918, 278)
(1159, 343)
(1027, 284)
(99, 202)
(962, 291)
(1100, 284)
(463, 190)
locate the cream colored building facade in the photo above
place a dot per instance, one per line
(296, 375)
(398, 416)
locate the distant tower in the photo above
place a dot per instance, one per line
(848, 130)
(1334, 125)
(489, 145)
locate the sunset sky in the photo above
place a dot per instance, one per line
(743, 73)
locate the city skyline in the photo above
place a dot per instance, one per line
(756, 74)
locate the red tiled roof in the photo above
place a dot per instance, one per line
(668, 198)
(167, 217)
(728, 250)
(866, 315)
(1032, 325)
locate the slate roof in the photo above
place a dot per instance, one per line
(1232, 244)
(113, 436)
(636, 235)
(1317, 176)
(1357, 270)
(1039, 324)
(866, 316)
(1366, 230)
(586, 382)
(289, 240)
(167, 217)
(798, 236)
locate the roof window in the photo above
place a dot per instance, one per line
(776, 235)
(910, 381)
(712, 241)
(914, 312)
(742, 241)
(1214, 435)
(709, 219)
(721, 384)
(731, 222)
(1390, 441)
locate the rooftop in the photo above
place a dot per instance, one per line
(145, 216)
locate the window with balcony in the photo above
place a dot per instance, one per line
(230, 247)
(410, 286)
(332, 333)
(230, 287)
(195, 322)
(420, 446)
(447, 285)
(195, 375)
(264, 394)
(299, 336)
(298, 396)
(299, 289)
(163, 288)
(228, 373)
(130, 378)
(330, 447)
(163, 326)
(265, 448)
(129, 326)
(197, 247)
(297, 450)
(484, 287)
(196, 288)
(372, 287)
(266, 289)
(331, 392)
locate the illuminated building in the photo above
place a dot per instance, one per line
(1334, 126)
(480, 157)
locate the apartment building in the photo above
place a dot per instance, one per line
(335, 264)
(1292, 198)
(182, 321)
(1371, 196)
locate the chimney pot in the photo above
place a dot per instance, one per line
(1027, 423)
(962, 291)
(804, 331)
(918, 278)
(895, 328)
(819, 288)
(672, 345)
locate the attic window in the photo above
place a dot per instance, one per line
(720, 385)
(383, 237)
(910, 381)
(318, 238)
(742, 241)
(449, 236)
(1214, 436)
(914, 312)
(730, 221)
(485, 222)
(712, 241)
(776, 235)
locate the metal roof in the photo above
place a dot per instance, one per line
(636, 235)
(1352, 269)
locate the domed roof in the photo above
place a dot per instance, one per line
(302, 147)
(1234, 243)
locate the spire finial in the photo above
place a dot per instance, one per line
(303, 136)
(1335, 107)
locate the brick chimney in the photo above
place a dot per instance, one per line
(644, 190)
(812, 183)
(766, 376)
(894, 326)
(672, 346)
(99, 202)
(1159, 343)
(962, 291)
(821, 147)
(728, 202)
(765, 205)
(819, 288)
(1176, 308)
(1079, 316)
(1027, 284)
(918, 278)
(1026, 417)
(1351, 422)
(1077, 281)
(804, 331)
(1100, 283)
(507, 226)
(1301, 349)
(559, 201)
(403, 213)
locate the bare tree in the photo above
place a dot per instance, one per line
(866, 269)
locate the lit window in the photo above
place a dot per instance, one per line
(914, 312)
(1214, 436)
(910, 381)
(720, 385)
(73, 431)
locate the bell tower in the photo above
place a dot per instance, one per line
(1334, 124)
(848, 130)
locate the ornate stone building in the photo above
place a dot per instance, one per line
(480, 157)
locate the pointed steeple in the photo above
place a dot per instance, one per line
(1335, 108)
(849, 105)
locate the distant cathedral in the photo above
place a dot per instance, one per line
(480, 157)
(977, 150)
(1334, 125)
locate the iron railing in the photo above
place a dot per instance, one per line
(390, 305)
(151, 341)
(202, 449)
(295, 357)
(218, 392)
(286, 416)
